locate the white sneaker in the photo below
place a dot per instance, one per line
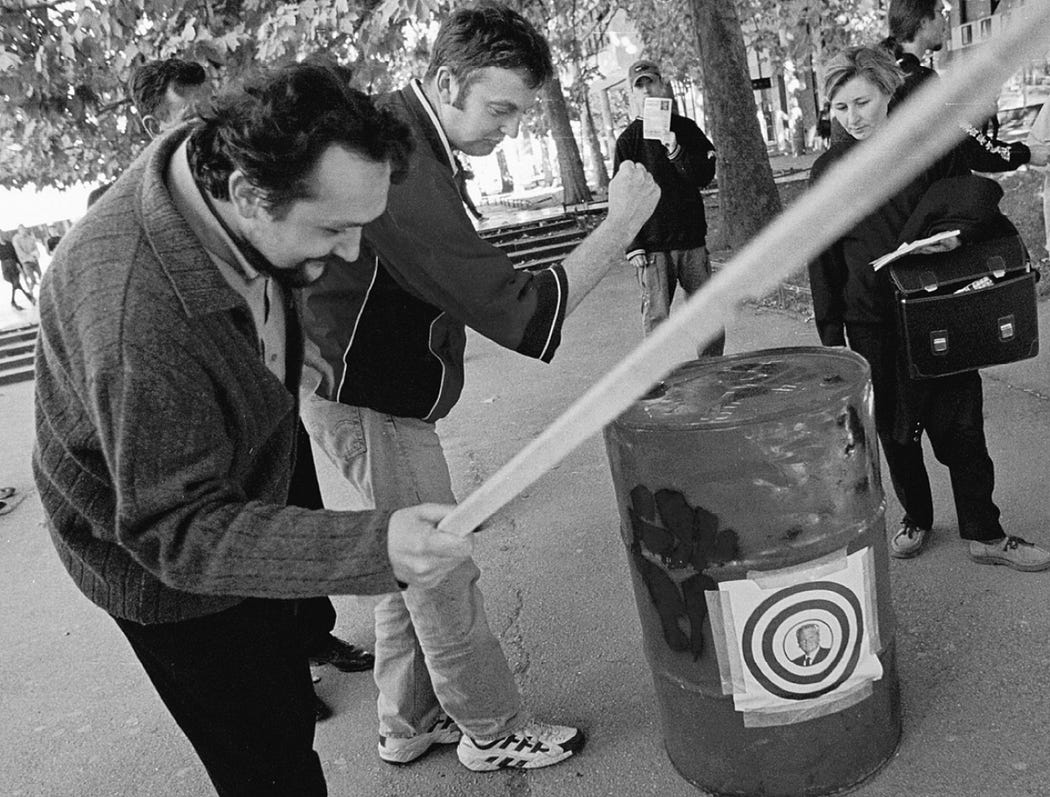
(402, 750)
(536, 745)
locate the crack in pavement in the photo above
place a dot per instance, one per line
(1020, 388)
(475, 472)
(512, 635)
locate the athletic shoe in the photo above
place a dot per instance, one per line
(908, 541)
(1012, 552)
(403, 750)
(534, 746)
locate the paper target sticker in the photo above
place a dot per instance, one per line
(801, 642)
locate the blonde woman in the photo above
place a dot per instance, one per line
(854, 305)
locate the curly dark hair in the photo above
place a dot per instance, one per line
(490, 34)
(277, 125)
(149, 82)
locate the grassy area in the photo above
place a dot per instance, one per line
(1022, 203)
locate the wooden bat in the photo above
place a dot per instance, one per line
(924, 128)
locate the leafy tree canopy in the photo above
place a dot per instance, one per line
(783, 30)
(64, 65)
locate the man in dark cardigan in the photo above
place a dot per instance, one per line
(167, 377)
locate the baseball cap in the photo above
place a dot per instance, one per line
(640, 69)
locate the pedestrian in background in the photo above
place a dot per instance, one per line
(164, 93)
(12, 272)
(918, 27)
(26, 249)
(53, 237)
(671, 248)
(168, 360)
(167, 92)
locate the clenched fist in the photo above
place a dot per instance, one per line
(633, 194)
(420, 554)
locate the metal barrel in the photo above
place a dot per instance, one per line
(753, 516)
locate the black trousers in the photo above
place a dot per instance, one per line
(316, 619)
(238, 685)
(953, 419)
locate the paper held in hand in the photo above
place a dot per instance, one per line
(656, 118)
(907, 248)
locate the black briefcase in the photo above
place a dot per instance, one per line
(966, 309)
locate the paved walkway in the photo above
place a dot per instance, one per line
(80, 720)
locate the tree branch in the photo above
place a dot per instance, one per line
(18, 10)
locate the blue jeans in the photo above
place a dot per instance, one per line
(660, 276)
(434, 648)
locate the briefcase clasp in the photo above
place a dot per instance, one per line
(939, 342)
(1007, 329)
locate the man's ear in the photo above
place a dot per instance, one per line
(445, 83)
(244, 196)
(151, 125)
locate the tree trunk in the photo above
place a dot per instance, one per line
(748, 196)
(573, 179)
(607, 123)
(506, 183)
(601, 176)
(540, 148)
(800, 48)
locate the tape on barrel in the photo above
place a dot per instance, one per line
(798, 643)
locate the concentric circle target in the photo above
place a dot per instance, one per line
(824, 616)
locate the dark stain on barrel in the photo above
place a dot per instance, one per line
(667, 528)
(854, 428)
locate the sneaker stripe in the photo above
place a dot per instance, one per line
(537, 746)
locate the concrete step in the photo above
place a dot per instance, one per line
(512, 231)
(15, 348)
(22, 373)
(539, 243)
(16, 354)
(27, 332)
(571, 236)
(539, 263)
(24, 357)
(543, 251)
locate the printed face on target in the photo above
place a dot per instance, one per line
(809, 638)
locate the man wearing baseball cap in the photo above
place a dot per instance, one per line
(671, 248)
(643, 68)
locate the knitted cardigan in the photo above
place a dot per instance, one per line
(163, 443)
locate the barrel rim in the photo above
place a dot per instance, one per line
(621, 423)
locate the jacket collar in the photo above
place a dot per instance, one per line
(424, 119)
(909, 63)
(196, 280)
